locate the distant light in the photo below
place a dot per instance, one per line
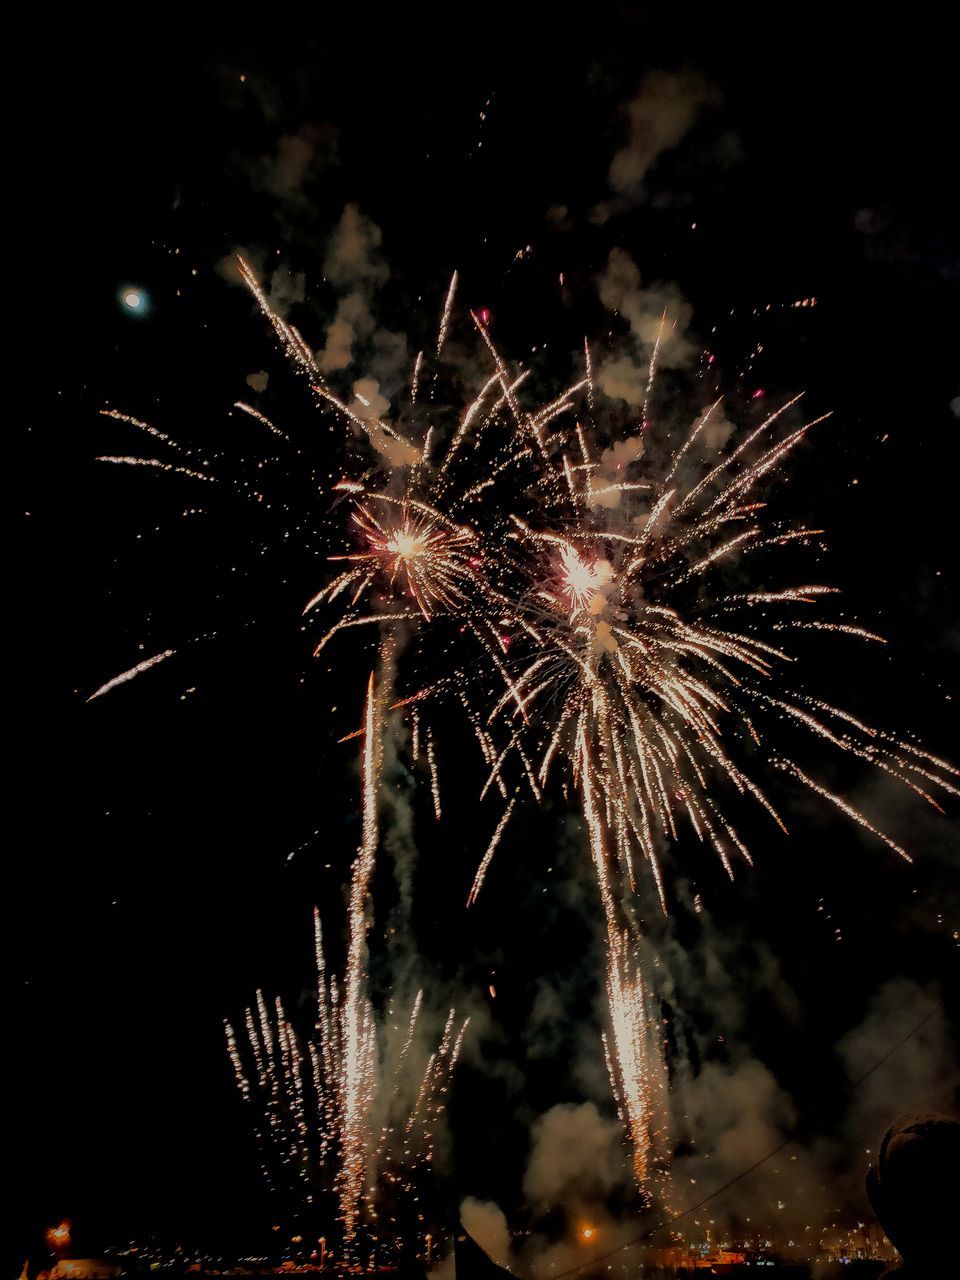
(58, 1237)
(134, 300)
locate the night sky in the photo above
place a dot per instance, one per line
(149, 831)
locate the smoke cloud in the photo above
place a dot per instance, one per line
(487, 1224)
(576, 1152)
(923, 1075)
(299, 157)
(353, 320)
(660, 114)
(658, 310)
(353, 264)
(352, 254)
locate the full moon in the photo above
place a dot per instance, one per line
(132, 300)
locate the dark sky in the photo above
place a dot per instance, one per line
(149, 832)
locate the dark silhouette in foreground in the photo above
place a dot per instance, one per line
(472, 1262)
(914, 1188)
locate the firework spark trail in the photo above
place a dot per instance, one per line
(415, 377)
(359, 622)
(261, 418)
(132, 673)
(167, 440)
(408, 1039)
(246, 1092)
(243, 1084)
(330, 1123)
(130, 461)
(473, 408)
(434, 778)
(141, 426)
(491, 850)
(445, 317)
(359, 1047)
(631, 1053)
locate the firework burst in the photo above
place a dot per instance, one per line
(601, 599)
(411, 549)
(664, 690)
(664, 681)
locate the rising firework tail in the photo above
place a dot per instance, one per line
(332, 1117)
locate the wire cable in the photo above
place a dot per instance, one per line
(718, 1191)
